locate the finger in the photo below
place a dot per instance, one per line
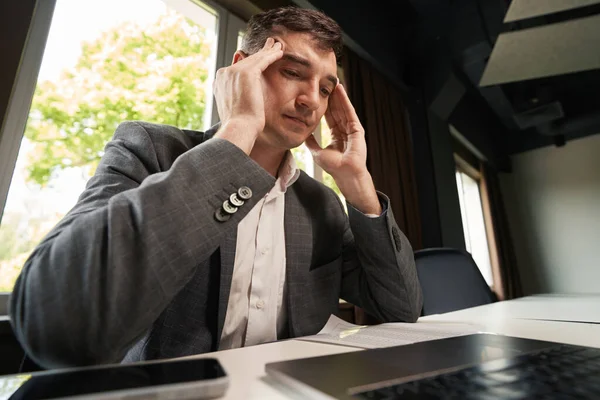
(268, 43)
(329, 118)
(337, 112)
(346, 105)
(266, 57)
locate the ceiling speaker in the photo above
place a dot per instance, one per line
(539, 115)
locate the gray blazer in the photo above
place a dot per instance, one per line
(141, 269)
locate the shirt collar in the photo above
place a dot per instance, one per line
(288, 172)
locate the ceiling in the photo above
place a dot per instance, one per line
(541, 110)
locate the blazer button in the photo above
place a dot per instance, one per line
(221, 215)
(245, 193)
(229, 208)
(235, 200)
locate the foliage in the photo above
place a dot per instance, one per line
(154, 73)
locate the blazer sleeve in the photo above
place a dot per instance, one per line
(103, 275)
(379, 272)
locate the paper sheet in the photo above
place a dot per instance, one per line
(338, 331)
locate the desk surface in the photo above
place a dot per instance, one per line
(550, 307)
(246, 366)
(532, 317)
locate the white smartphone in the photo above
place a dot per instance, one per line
(201, 378)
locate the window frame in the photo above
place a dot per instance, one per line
(19, 104)
(477, 175)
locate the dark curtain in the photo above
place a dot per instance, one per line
(510, 281)
(381, 111)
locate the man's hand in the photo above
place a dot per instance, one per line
(239, 94)
(345, 159)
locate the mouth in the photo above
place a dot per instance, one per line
(295, 119)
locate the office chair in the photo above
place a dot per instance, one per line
(14, 359)
(450, 281)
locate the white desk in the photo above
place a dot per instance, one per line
(246, 366)
(584, 334)
(550, 307)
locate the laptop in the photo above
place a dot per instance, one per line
(479, 366)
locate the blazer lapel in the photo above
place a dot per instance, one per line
(298, 253)
(227, 262)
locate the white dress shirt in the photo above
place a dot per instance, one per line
(256, 310)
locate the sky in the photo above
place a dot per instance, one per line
(76, 21)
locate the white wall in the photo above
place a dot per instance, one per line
(553, 205)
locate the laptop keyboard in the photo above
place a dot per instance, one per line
(561, 372)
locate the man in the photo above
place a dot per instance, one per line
(187, 242)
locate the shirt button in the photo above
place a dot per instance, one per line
(264, 251)
(260, 304)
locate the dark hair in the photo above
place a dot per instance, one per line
(324, 30)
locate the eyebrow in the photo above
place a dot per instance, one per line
(304, 62)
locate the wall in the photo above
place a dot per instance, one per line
(444, 167)
(553, 205)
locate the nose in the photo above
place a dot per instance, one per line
(309, 96)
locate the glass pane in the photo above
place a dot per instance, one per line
(305, 161)
(240, 39)
(326, 141)
(474, 224)
(301, 155)
(463, 210)
(105, 62)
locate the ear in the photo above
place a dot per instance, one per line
(238, 56)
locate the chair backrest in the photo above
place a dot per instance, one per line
(13, 359)
(450, 281)
(10, 349)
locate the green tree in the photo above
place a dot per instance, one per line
(155, 72)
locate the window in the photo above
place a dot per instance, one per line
(305, 161)
(240, 39)
(468, 182)
(151, 60)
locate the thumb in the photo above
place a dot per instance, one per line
(313, 146)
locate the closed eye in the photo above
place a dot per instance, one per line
(291, 73)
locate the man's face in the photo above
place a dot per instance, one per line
(297, 90)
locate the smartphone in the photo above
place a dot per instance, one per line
(175, 379)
